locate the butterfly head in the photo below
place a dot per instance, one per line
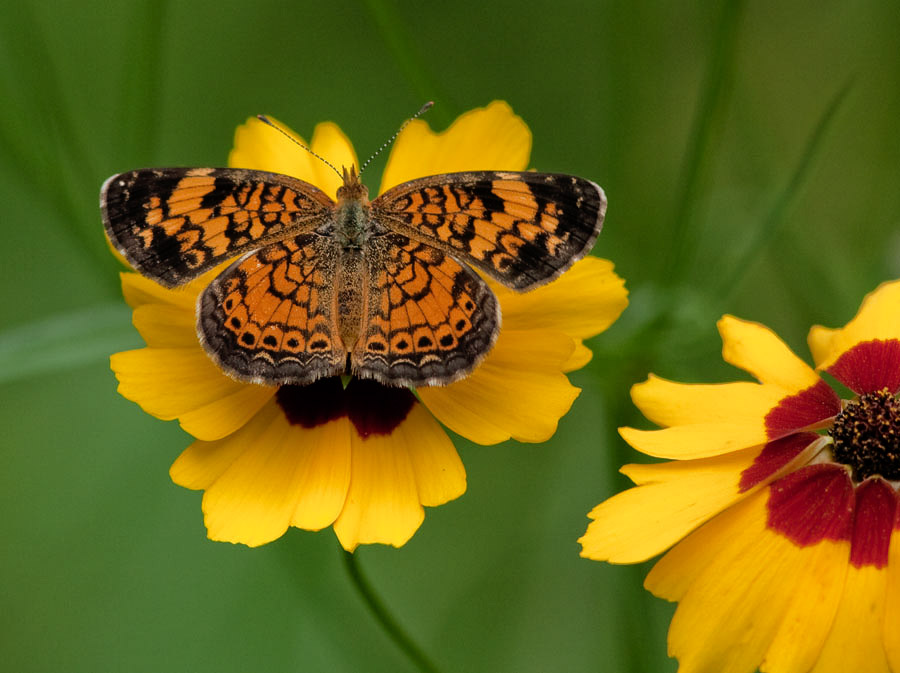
(352, 189)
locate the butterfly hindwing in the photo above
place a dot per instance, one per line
(172, 224)
(521, 228)
(427, 318)
(270, 317)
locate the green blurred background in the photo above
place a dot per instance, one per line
(751, 155)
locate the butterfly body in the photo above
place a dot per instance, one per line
(380, 289)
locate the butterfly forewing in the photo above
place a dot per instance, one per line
(427, 319)
(521, 228)
(172, 224)
(271, 318)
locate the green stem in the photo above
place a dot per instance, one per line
(383, 617)
(709, 112)
(766, 233)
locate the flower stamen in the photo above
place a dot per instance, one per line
(866, 436)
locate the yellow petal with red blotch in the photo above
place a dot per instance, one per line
(808, 619)
(669, 403)
(440, 475)
(488, 138)
(698, 440)
(260, 147)
(855, 641)
(267, 476)
(582, 302)
(892, 600)
(877, 318)
(674, 499)
(383, 501)
(165, 325)
(170, 382)
(733, 606)
(758, 350)
(518, 391)
(820, 340)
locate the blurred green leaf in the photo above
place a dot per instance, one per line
(62, 342)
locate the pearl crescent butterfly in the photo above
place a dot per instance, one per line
(382, 289)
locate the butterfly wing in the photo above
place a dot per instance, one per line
(172, 224)
(426, 318)
(523, 229)
(271, 316)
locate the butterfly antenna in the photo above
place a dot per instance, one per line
(421, 111)
(268, 121)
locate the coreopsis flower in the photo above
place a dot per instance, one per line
(782, 502)
(357, 455)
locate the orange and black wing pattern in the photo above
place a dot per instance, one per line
(427, 319)
(521, 228)
(271, 316)
(172, 224)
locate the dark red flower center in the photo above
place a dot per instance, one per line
(372, 408)
(866, 436)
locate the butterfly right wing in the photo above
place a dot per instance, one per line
(172, 224)
(427, 319)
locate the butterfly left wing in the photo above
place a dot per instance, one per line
(426, 319)
(172, 224)
(272, 316)
(521, 228)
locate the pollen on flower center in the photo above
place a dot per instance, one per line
(867, 436)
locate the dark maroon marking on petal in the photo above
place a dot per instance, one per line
(775, 455)
(799, 411)
(869, 366)
(876, 509)
(814, 503)
(376, 409)
(313, 404)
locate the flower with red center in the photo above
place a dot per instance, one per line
(362, 457)
(782, 499)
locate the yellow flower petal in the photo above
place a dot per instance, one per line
(383, 501)
(440, 475)
(698, 440)
(805, 624)
(669, 403)
(518, 391)
(820, 341)
(639, 523)
(878, 318)
(579, 358)
(733, 607)
(139, 290)
(223, 416)
(855, 641)
(758, 350)
(165, 325)
(892, 600)
(489, 138)
(267, 476)
(172, 382)
(258, 146)
(582, 302)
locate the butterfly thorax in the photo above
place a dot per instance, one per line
(351, 215)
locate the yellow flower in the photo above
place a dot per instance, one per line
(782, 498)
(364, 459)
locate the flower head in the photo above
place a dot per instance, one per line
(782, 499)
(360, 456)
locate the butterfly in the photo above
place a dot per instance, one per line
(382, 289)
